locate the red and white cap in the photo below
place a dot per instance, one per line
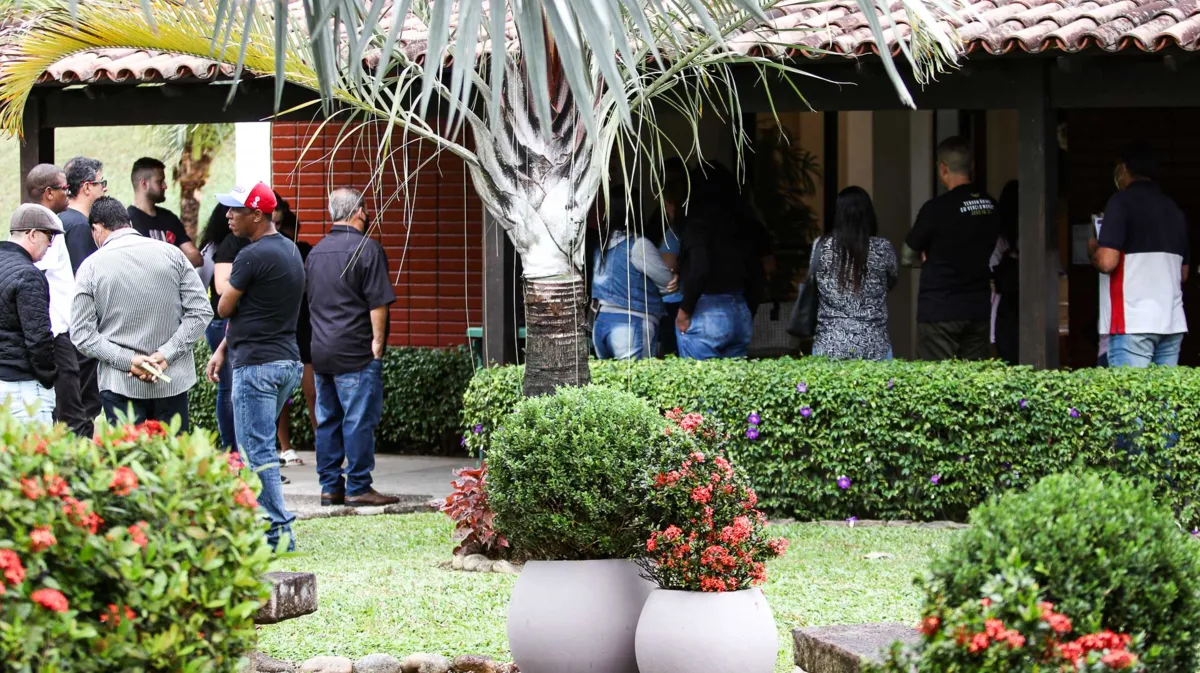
(258, 197)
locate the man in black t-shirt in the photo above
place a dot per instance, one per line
(149, 178)
(262, 304)
(952, 242)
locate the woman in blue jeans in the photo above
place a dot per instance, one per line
(215, 232)
(721, 274)
(627, 284)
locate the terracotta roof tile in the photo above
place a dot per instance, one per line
(828, 27)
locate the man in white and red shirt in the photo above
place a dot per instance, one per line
(1142, 255)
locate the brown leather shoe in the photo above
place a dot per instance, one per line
(328, 499)
(371, 499)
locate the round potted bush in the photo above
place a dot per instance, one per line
(568, 480)
(707, 557)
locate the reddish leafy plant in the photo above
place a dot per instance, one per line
(474, 529)
(711, 537)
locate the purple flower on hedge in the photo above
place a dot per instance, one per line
(802, 387)
(752, 433)
(935, 479)
(754, 419)
(805, 411)
(478, 429)
(1074, 412)
(1022, 404)
(891, 384)
(1196, 532)
(852, 520)
(464, 441)
(843, 482)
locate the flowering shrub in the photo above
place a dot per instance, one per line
(1010, 629)
(569, 473)
(130, 552)
(473, 518)
(711, 537)
(890, 428)
(1099, 548)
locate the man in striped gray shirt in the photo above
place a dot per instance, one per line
(138, 300)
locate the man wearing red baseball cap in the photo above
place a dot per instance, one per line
(262, 304)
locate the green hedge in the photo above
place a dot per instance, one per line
(915, 440)
(422, 399)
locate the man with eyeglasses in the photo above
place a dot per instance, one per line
(47, 184)
(85, 183)
(27, 370)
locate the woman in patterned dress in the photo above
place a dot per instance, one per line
(854, 269)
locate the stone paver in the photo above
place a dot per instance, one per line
(292, 595)
(841, 649)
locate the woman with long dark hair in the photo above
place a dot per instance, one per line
(216, 231)
(1006, 275)
(854, 269)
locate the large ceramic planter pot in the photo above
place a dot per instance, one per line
(687, 631)
(576, 616)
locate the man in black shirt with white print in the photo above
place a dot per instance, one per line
(952, 242)
(149, 178)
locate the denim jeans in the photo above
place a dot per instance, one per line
(162, 409)
(349, 407)
(721, 328)
(214, 334)
(259, 393)
(20, 396)
(623, 336)
(1142, 350)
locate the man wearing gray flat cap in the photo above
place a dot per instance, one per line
(27, 370)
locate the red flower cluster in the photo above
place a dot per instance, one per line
(124, 481)
(134, 433)
(114, 614)
(1112, 645)
(51, 599)
(234, 459)
(137, 533)
(78, 514)
(14, 572)
(714, 538)
(245, 496)
(42, 538)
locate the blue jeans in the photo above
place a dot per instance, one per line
(349, 407)
(214, 334)
(721, 328)
(623, 336)
(259, 393)
(1142, 350)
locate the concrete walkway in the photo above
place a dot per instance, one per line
(418, 479)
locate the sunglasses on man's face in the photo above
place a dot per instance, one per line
(61, 188)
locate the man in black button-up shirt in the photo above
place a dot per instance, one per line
(348, 298)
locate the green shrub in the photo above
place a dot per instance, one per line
(891, 428)
(136, 552)
(1103, 553)
(422, 401)
(569, 474)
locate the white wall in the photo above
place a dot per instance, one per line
(252, 142)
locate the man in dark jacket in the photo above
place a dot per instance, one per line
(27, 371)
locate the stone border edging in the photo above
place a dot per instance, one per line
(382, 663)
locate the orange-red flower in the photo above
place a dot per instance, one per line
(10, 563)
(979, 643)
(137, 533)
(114, 614)
(56, 486)
(930, 625)
(245, 496)
(1119, 659)
(124, 481)
(1059, 623)
(153, 428)
(51, 599)
(235, 461)
(41, 447)
(31, 489)
(42, 538)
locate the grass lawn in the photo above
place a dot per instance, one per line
(381, 590)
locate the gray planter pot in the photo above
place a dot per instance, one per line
(576, 616)
(687, 631)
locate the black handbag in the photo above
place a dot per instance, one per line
(804, 313)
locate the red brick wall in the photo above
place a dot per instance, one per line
(433, 241)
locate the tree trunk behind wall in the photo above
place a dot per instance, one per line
(556, 317)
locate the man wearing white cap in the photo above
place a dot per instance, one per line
(262, 304)
(27, 370)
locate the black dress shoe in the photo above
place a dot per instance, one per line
(328, 499)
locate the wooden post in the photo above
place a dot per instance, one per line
(829, 181)
(37, 147)
(1039, 259)
(499, 340)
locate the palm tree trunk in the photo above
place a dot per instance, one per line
(556, 318)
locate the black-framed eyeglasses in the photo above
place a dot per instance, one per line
(102, 183)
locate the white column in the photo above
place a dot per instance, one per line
(252, 142)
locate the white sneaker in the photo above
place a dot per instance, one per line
(289, 458)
